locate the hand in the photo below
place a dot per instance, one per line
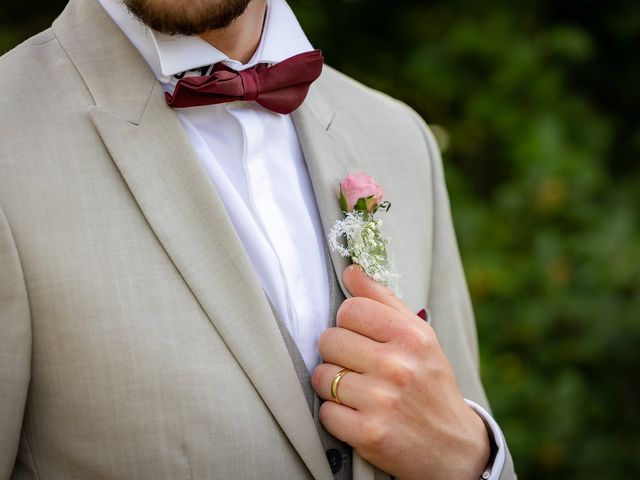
(401, 407)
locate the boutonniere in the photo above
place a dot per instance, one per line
(360, 199)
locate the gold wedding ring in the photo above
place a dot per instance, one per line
(336, 382)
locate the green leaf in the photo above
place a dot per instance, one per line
(343, 202)
(361, 205)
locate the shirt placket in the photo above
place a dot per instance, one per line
(269, 217)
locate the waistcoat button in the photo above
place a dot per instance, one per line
(335, 459)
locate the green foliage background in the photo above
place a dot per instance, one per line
(535, 105)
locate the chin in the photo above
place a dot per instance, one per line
(179, 17)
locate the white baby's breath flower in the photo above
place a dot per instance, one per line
(365, 245)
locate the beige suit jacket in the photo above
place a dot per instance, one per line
(135, 340)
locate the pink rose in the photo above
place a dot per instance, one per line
(357, 186)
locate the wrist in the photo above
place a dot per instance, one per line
(478, 451)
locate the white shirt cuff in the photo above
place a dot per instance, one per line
(494, 469)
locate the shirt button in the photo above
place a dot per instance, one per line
(335, 460)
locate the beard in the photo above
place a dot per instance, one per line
(187, 17)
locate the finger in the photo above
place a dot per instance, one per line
(360, 284)
(351, 389)
(374, 320)
(350, 349)
(341, 421)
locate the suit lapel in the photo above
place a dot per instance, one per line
(151, 150)
(328, 160)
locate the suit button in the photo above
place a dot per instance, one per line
(335, 459)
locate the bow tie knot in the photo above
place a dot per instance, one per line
(251, 84)
(281, 87)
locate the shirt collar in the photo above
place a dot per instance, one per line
(167, 55)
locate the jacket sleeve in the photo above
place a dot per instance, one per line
(451, 310)
(15, 348)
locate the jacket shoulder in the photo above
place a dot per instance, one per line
(31, 66)
(367, 109)
(351, 95)
(373, 117)
(26, 49)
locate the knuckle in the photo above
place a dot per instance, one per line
(424, 340)
(348, 308)
(344, 310)
(317, 378)
(404, 377)
(386, 400)
(398, 371)
(324, 408)
(375, 435)
(324, 413)
(326, 338)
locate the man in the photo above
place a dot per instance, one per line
(166, 298)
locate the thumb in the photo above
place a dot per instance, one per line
(360, 284)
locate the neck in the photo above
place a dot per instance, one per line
(240, 40)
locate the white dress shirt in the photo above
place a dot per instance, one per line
(255, 162)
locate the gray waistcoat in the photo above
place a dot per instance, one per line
(338, 453)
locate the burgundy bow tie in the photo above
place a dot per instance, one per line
(281, 87)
